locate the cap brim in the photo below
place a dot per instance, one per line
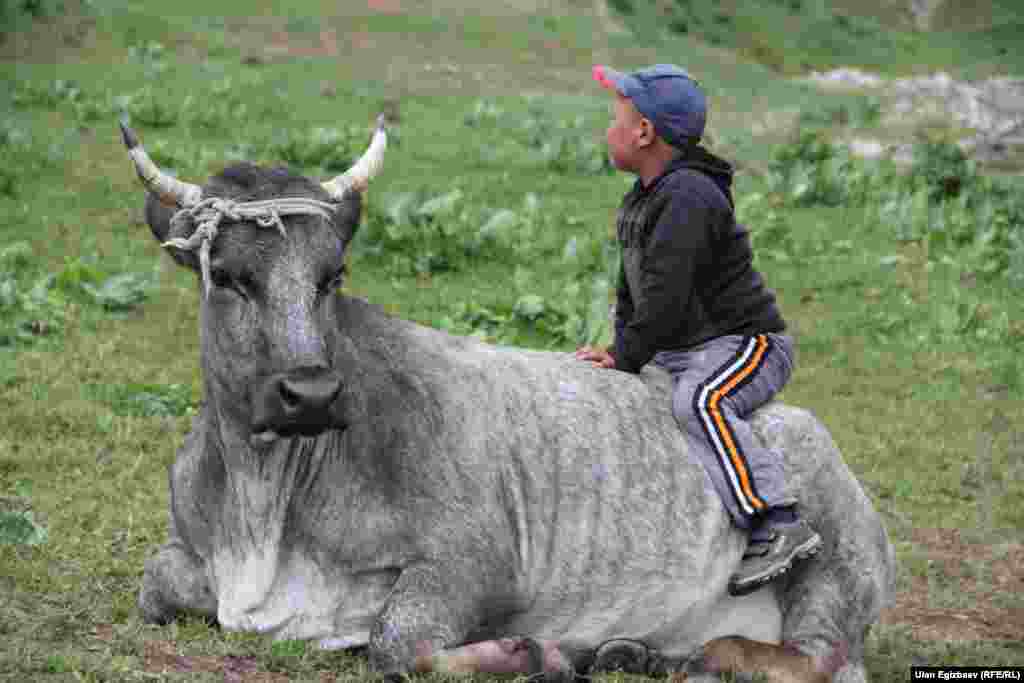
(610, 79)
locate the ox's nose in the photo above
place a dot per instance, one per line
(303, 394)
(296, 402)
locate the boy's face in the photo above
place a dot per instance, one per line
(628, 135)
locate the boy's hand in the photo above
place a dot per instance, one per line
(599, 357)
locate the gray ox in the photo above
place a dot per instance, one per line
(365, 481)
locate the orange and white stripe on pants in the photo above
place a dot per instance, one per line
(706, 403)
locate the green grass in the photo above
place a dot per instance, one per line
(796, 36)
(908, 350)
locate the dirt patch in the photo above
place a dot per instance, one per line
(104, 632)
(321, 44)
(385, 6)
(48, 39)
(161, 656)
(501, 8)
(432, 51)
(954, 571)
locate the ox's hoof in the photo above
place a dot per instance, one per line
(628, 656)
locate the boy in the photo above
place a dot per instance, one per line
(690, 300)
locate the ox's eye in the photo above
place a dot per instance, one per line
(221, 278)
(330, 282)
(246, 282)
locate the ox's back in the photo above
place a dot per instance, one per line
(584, 470)
(616, 530)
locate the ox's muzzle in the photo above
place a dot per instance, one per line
(301, 401)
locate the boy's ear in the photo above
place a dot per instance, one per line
(647, 133)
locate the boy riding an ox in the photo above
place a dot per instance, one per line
(359, 480)
(690, 300)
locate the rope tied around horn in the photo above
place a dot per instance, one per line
(208, 214)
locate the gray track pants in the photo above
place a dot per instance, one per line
(717, 385)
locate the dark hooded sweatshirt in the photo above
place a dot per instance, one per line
(687, 273)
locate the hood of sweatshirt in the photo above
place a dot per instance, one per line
(716, 168)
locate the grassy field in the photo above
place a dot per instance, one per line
(494, 217)
(795, 36)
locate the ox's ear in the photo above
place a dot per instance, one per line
(158, 216)
(346, 220)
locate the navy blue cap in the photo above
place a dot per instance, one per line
(666, 95)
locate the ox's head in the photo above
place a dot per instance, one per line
(267, 246)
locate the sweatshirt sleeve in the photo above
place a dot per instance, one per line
(623, 307)
(679, 236)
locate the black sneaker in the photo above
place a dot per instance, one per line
(765, 561)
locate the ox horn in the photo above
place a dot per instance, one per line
(359, 176)
(169, 189)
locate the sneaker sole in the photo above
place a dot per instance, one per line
(810, 548)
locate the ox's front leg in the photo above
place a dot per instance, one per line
(175, 584)
(432, 606)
